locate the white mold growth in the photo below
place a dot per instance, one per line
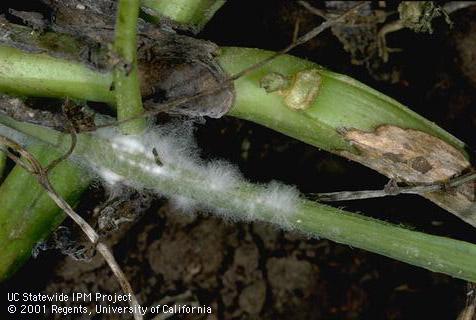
(129, 144)
(190, 182)
(184, 204)
(221, 175)
(177, 172)
(281, 199)
(109, 178)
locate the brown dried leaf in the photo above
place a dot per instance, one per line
(407, 155)
(416, 157)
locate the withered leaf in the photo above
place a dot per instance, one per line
(416, 157)
(407, 155)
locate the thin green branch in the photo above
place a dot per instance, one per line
(126, 80)
(439, 254)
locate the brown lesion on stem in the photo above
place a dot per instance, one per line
(299, 91)
(415, 157)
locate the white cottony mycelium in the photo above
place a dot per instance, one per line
(108, 177)
(183, 204)
(187, 180)
(177, 172)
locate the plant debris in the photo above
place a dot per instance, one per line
(415, 157)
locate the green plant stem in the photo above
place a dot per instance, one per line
(342, 103)
(26, 208)
(27, 213)
(194, 13)
(40, 75)
(126, 80)
(439, 254)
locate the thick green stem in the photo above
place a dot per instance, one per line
(189, 13)
(342, 102)
(40, 75)
(126, 80)
(27, 217)
(452, 257)
(27, 214)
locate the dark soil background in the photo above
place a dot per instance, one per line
(253, 271)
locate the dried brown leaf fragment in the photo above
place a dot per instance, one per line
(416, 157)
(407, 155)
